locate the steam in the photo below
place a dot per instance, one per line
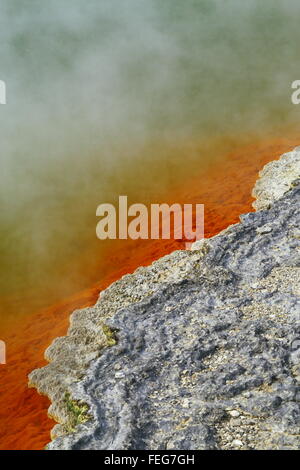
(103, 97)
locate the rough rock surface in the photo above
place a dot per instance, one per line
(276, 178)
(200, 350)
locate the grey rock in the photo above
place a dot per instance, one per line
(276, 178)
(168, 353)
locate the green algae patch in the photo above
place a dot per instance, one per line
(78, 412)
(110, 335)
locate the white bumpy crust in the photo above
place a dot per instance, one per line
(275, 179)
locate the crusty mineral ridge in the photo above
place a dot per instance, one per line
(200, 350)
(276, 178)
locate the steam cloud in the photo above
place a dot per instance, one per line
(102, 93)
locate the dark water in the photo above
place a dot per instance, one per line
(123, 97)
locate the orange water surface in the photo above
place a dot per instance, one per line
(225, 189)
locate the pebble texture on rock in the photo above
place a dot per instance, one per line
(200, 350)
(276, 178)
